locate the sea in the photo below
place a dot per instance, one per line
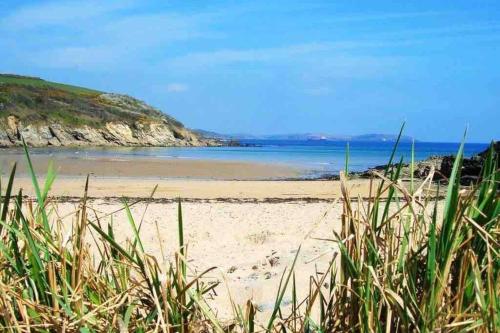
(316, 158)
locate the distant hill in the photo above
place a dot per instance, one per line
(306, 136)
(49, 113)
(381, 137)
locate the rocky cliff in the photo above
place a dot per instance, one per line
(51, 114)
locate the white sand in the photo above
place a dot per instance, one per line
(250, 244)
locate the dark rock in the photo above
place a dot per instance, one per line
(471, 167)
(443, 167)
(496, 148)
(274, 261)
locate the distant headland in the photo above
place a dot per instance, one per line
(376, 137)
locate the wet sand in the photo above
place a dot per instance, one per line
(146, 168)
(188, 179)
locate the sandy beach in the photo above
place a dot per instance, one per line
(249, 229)
(250, 244)
(245, 220)
(150, 168)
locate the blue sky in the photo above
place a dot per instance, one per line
(340, 67)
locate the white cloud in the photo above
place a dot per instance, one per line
(483, 29)
(341, 66)
(384, 16)
(96, 35)
(331, 56)
(57, 13)
(227, 56)
(177, 87)
(78, 57)
(155, 29)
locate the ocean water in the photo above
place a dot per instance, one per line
(315, 158)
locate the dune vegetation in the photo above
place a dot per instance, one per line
(408, 259)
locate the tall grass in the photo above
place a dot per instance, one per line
(52, 283)
(405, 261)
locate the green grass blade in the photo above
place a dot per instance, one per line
(34, 180)
(131, 221)
(180, 230)
(7, 195)
(281, 293)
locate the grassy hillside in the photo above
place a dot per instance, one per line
(33, 100)
(40, 83)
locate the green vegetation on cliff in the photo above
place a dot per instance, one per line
(34, 100)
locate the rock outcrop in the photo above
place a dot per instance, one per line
(111, 134)
(443, 166)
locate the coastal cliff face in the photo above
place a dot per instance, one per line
(50, 114)
(12, 130)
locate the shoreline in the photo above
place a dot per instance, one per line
(159, 168)
(199, 190)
